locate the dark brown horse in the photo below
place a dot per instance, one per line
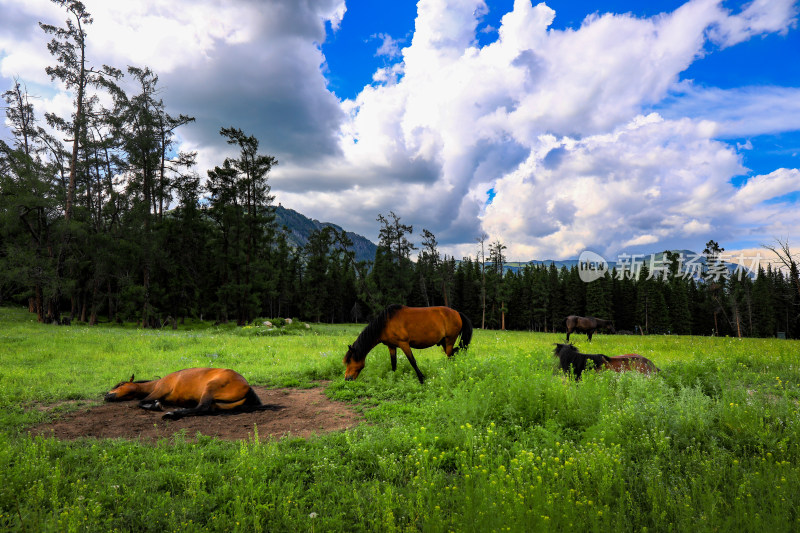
(403, 327)
(199, 390)
(587, 324)
(571, 360)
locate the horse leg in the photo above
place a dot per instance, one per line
(589, 333)
(152, 402)
(410, 356)
(206, 403)
(448, 344)
(568, 332)
(393, 357)
(203, 407)
(151, 405)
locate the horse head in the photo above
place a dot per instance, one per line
(353, 366)
(572, 360)
(122, 391)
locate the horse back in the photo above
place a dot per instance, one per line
(580, 323)
(421, 327)
(632, 361)
(190, 385)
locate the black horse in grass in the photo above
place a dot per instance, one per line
(587, 324)
(572, 360)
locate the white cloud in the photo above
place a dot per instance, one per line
(738, 112)
(773, 185)
(581, 165)
(642, 182)
(389, 47)
(757, 18)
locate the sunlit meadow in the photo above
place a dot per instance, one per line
(495, 440)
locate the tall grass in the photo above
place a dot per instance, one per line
(493, 441)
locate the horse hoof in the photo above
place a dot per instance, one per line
(169, 416)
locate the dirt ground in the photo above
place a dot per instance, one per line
(303, 412)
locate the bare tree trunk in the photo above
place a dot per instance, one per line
(75, 141)
(111, 313)
(424, 289)
(146, 306)
(83, 307)
(39, 304)
(93, 314)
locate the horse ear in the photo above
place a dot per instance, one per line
(132, 378)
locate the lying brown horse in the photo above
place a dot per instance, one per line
(199, 390)
(403, 327)
(587, 324)
(571, 360)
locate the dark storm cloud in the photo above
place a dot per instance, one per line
(271, 87)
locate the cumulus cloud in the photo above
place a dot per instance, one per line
(558, 125)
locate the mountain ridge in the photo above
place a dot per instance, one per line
(299, 227)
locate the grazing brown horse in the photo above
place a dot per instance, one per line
(403, 327)
(587, 324)
(571, 360)
(199, 390)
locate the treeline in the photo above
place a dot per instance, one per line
(713, 300)
(114, 224)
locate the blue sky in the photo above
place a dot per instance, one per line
(617, 126)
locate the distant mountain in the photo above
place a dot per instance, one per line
(646, 258)
(300, 228)
(656, 257)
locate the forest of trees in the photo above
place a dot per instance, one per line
(108, 222)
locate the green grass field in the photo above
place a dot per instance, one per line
(493, 441)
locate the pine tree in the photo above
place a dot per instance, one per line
(599, 300)
(242, 208)
(764, 323)
(29, 209)
(392, 275)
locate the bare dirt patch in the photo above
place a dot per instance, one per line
(304, 412)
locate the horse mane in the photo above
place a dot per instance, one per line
(137, 381)
(569, 356)
(368, 337)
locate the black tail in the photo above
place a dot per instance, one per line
(253, 403)
(251, 398)
(466, 333)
